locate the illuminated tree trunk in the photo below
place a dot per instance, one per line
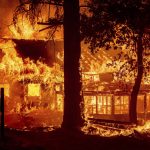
(138, 80)
(72, 118)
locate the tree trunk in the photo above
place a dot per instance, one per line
(72, 118)
(138, 79)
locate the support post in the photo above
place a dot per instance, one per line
(2, 112)
(113, 104)
(145, 107)
(96, 104)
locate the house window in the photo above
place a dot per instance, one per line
(121, 104)
(96, 77)
(60, 102)
(33, 89)
(98, 104)
(148, 102)
(140, 104)
(104, 104)
(6, 89)
(90, 104)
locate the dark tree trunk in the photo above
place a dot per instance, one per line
(138, 79)
(72, 118)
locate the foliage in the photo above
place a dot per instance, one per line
(114, 22)
(116, 25)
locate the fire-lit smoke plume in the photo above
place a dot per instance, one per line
(7, 8)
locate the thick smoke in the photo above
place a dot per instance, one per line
(7, 8)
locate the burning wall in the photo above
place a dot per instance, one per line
(31, 72)
(29, 83)
(35, 85)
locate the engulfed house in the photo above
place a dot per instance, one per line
(103, 98)
(28, 77)
(99, 104)
(108, 101)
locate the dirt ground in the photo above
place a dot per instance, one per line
(59, 139)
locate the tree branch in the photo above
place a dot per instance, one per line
(51, 3)
(43, 2)
(52, 23)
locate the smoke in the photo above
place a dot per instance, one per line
(7, 8)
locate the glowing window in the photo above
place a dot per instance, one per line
(60, 102)
(33, 89)
(104, 104)
(98, 104)
(96, 77)
(140, 104)
(90, 104)
(6, 89)
(121, 104)
(148, 102)
(58, 87)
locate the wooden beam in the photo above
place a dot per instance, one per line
(45, 28)
(51, 22)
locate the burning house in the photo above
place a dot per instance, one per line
(31, 73)
(32, 76)
(29, 78)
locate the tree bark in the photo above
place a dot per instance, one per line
(138, 80)
(72, 118)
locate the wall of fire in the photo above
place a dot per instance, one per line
(32, 95)
(99, 103)
(29, 94)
